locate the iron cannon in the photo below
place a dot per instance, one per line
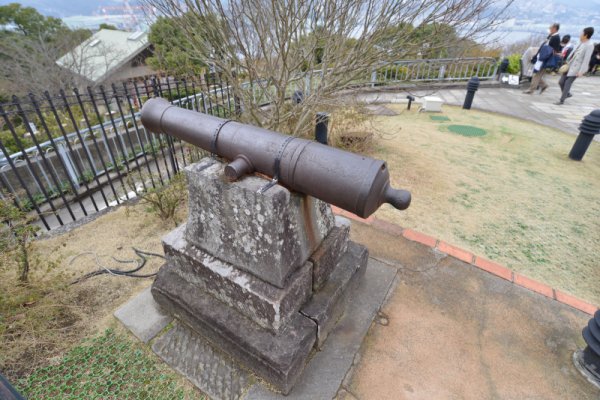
(353, 182)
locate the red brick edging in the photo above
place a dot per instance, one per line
(478, 262)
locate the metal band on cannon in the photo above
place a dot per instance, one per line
(350, 181)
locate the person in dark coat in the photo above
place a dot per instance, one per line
(554, 37)
(553, 41)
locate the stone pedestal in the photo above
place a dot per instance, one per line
(262, 277)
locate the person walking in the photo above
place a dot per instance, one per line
(546, 57)
(567, 47)
(577, 64)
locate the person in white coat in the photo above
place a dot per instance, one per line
(578, 61)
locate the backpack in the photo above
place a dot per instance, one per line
(544, 54)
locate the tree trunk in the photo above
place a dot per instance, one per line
(24, 275)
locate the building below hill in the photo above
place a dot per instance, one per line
(109, 56)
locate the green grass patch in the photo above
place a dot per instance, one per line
(467, 130)
(109, 366)
(439, 118)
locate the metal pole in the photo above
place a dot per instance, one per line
(587, 361)
(83, 144)
(108, 148)
(139, 137)
(321, 127)
(46, 162)
(472, 87)
(410, 100)
(150, 140)
(159, 139)
(589, 127)
(128, 137)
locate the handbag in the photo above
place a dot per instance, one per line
(565, 67)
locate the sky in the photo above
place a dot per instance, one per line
(65, 8)
(528, 16)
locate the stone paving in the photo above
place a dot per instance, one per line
(513, 102)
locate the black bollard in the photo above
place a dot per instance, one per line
(589, 127)
(321, 127)
(297, 97)
(587, 360)
(410, 100)
(472, 87)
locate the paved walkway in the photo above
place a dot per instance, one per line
(452, 331)
(513, 102)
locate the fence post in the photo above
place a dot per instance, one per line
(442, 72)
(373, 78)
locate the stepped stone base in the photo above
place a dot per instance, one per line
(279, 359)
(221, 377)
(326, 256)
(328, 305)
(267, 305)
(261, 277)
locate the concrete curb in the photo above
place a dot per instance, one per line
(475, 260)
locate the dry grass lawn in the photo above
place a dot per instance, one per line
(512, 195)
(39, 323)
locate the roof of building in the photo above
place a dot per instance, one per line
(104, 53)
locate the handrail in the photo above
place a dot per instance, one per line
(442, 69)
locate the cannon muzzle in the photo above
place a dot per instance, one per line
(353, 182)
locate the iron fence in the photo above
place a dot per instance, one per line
(71, 154)
(422, 70)
(443, 69)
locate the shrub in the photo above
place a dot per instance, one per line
(349, 128)
(15, 235)
(514, 64)
(166, 200)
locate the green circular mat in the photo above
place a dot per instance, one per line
(467, 130)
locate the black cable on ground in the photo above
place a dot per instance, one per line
(141, 262)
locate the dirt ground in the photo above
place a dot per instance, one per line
(511, 195)
(453, 331)
(40, 322)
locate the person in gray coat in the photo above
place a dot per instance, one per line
(578, 62)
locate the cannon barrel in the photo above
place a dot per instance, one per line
(350, 181)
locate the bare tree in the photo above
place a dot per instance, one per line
(317, 46)
(87, 62)
(29, 62)
(520, 46)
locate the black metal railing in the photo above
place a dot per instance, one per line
(70, 154)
